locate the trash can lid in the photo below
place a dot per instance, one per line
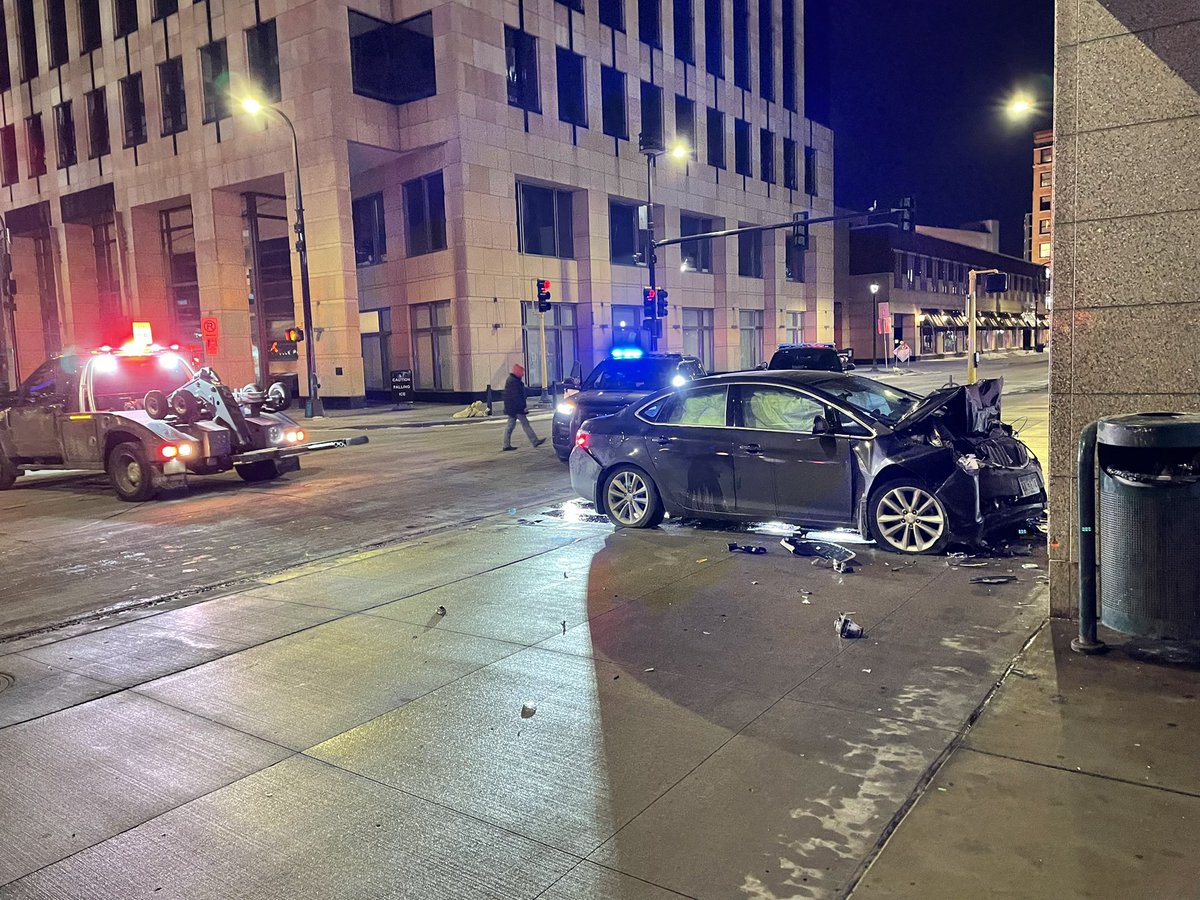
(1157, 430)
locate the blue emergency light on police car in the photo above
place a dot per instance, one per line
(627, 353)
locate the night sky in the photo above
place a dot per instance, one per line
(916, 93)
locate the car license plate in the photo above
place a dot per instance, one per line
(1029, 484)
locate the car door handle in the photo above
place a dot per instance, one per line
(750, 448)
(662, 441)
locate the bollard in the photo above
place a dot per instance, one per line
(1087, 641)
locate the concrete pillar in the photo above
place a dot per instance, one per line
(81, 303)
(31, 347)
(224, 291)
(144, 254)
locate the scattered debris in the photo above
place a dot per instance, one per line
(846, 627)
(651, 669)
(527, 711)
(868, 671)
(564, 626)
(702, 560)
(806, 601)
(706, 632)
(1030, 566)
(756, 549)
(994, 579)
(971, 564)
(805, 593)
(839, 556)
(754, 582)
(441, 610)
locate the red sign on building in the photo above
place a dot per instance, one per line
(210, 330)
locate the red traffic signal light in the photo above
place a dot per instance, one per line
(295, 335)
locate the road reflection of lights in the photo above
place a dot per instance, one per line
(838, 536)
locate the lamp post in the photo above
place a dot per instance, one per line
(314, 409)
(874, 326)
(652, 151)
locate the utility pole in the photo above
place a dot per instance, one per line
(874, 326)
(972, 314)
(651, 254)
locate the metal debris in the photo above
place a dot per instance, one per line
(441, 610)
(846, 627)
(564, 626)
(1030, 566)
(755, 549)
(527, 711)
(971, 564)
(994, 579)
(839, 556)
(651, 669)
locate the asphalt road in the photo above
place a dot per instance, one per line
(69, 550)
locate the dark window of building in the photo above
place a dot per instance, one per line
(716, 138)
(125, 17)
(163, 8)
(741, 147)
(1046, 155)
(425, 214)
(788, 25)
(433, 345)
(695, 256)
(628, 243)
(793, 260)
(766, 50)
(766, 167)
(520, 50)
(5, 64)
(392, 62)
(612, 14)
(97, 113)
(650, 22)
(183, 282)
(810, 171)
(28, 40)
(1044, 226)
(741, 43)
(714, 38)
(750, 254)
(685, 38)
(262, 59)
(89, 25)
(652, 117)
(35, 144)
(64, 134)
(172, 95)
(133, 110)
(544, 221)
(572, 96)
(685, 122)
(576, 5)
(613, 103)
(370, 231)
(8, 155)
(56, 28)
(790, 180)
(1043, 203)
(214, 75)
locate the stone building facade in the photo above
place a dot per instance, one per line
(451, 154)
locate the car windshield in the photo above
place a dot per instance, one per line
(878, 401)
(632, 375)
(122, 382)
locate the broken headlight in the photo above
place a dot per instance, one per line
(968, 463)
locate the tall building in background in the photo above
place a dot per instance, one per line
(451, 156)
(1039, 243)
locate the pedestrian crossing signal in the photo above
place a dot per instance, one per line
(543, 295)
(295, 335)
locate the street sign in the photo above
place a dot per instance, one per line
(884, 325)
(402, 385)
(282, 351)
(210, 331)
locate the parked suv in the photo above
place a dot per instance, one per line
(815, 357)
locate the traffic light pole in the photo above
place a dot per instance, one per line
(651, 252)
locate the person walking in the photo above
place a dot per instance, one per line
(515, 409)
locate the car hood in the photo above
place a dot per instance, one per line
(599, 402)
(970, 409)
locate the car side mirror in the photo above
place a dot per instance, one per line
(571, 382)
(820, 425)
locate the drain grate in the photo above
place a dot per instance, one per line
(6, 681)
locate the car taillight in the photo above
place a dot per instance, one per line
(582, 440)
(170, 451)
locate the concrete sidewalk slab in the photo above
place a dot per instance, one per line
(38, 688)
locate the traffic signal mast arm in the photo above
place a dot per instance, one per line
(899, 211)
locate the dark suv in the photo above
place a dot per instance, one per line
(626, 376)
(814, 357)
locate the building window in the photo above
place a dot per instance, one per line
(789, 165)
(97, 113)
(612, 102)
(714, 38)
(715, 133)
(1046, 179)
(125, 17)
(1044, 226)
(370, 232)
(793, 326)
(572, 95)
(695, 256)
(788, 23)
(544, 221)
(576, 5)
(163, 8)
(685, 40)
(35, 140)
(627, 326)
(810, 171)
(183, 283)
(262, 59)
(650, 22)
(750, 254)
(432, 351)
(628, 242)
(89, 26)
(1044, 203)
(214, 74)
(133, 110)
(64, 133)
(741, 148)
(56, 29)
(1044, 250)
(766, 50)
(520, 51)
(1046, 155)
(652, 117)
(425, 214)
(793, 260)
(27, 34)
(698, 335)
(389, 61)
(685, 122)
(767, 153)
(612, 14)
(562, 348)
(171, 92)
(5, 67)
(750, 337)
(741, 43)
(108, 275)
(8, 155)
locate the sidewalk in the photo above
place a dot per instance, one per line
(418, 415)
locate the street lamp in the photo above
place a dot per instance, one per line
(679, 150)
(314, 409)
(875, 326)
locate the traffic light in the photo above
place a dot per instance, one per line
(995, 283)
(649, 303)
(295, 335)
(800, 231)
(906, 214)
(660, 298)
(543, 295)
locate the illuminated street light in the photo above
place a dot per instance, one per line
(1019, 107)
(251, 105)
(680, 150)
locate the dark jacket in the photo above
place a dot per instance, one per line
(514, 396)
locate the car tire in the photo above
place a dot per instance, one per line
(630, 498)
(564, 458)
(130, 473)
(905, 516)
(156, 405)
(8, 472)
(185, 405)
(263, 470)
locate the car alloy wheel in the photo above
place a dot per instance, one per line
(909, 519)
(631, 499)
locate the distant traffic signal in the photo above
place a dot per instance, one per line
(649, 304)
(295, 335)
(660, 298)
(543, 295)
(906, 214)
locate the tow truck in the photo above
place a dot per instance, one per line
(143, 415)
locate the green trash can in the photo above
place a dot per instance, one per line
(1149, 524)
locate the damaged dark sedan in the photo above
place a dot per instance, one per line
(817, 449)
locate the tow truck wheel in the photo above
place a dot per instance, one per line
(263, 470)
(185, 405)
(130, 472)
(156, 405)
(8, 472)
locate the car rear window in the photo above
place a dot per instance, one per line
(806, 358)
(631, 375)
(122, 382)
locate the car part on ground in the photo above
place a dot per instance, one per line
(839, 556)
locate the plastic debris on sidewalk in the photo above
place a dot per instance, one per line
(476, 410)
(527, 711)
(755, 549)
(994, 579)
(846, 627)
(839, 556)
